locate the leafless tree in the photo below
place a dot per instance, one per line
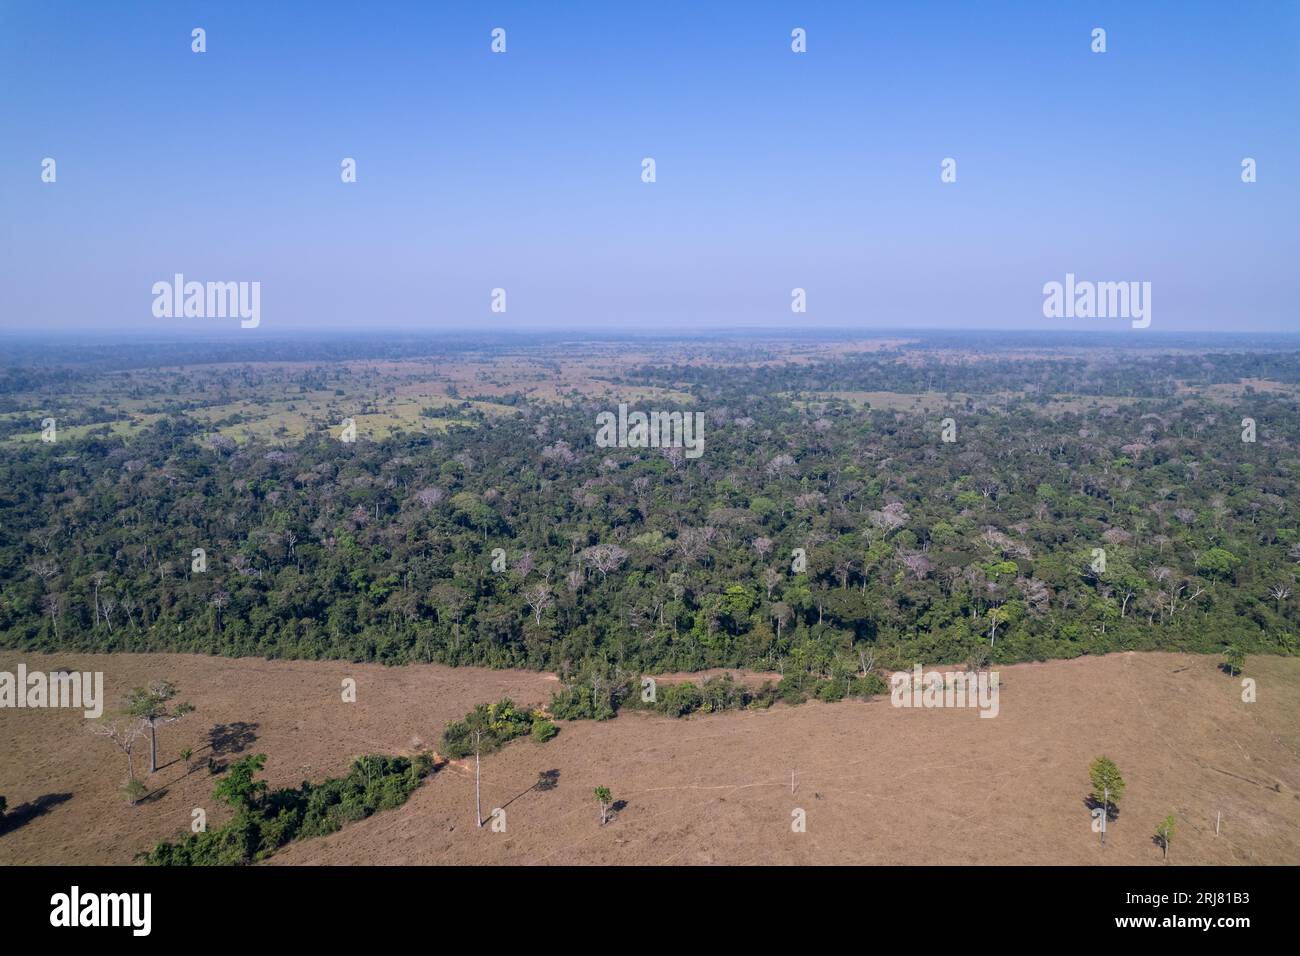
(429, 496)
(539, 598)
(780, 465)
(219, 601)
(771, 578)
(693, 543)
(98, 578)
(918, 564)
(1279, 592)
(124, 735)
(603, 557)
(53, 604)
(783, 614)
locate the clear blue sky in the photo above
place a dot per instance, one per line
(775, 170)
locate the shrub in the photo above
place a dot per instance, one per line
(831, 690)
(270, 819)
(133, 789)
(678, 700)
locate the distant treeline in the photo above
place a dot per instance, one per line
(813, 530)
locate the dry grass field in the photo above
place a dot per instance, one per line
(877, 784)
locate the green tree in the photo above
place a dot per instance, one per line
(606, 799)
(133, 790)
(237, 787)
(1165, 833)
(151, 704)
(1218, 562)
(1107, 787)
(1235, 659)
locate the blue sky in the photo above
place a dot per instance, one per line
(775, 170)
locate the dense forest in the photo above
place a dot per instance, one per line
(1076, 502)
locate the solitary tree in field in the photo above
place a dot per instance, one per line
(124, 736)
(478, 805)
(1235, 658)
(1165, 833)
(151, 705)
(1107, 788)
(134, 790)
(603, 795)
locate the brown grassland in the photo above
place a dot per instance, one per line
(878, 784)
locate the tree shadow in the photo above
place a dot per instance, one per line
(546, 780)
(26, 812)
(154, 795)
(1092, 803)
(224, 739)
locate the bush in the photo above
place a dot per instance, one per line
(265, 823)
(678, 700)
(133, 789)
(495, 726)
(870, 686)
(594, 697)
(791, 690)
(831, 691)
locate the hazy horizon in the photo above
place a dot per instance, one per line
(775, 170)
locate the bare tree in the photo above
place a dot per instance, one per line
(771, 578)
(53, 604)
(98, 578)
(917, 563)
(124, 735)
(782, 613)
(603, 557)
(693, 543)
(218, 601)
(539, 598)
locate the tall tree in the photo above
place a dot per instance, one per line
(605, 798)
(152, 705)
(1107, 788)
(1165, 833)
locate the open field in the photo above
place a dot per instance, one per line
(879, 784)
(281, 401)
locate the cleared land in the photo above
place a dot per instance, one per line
(878, 784)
